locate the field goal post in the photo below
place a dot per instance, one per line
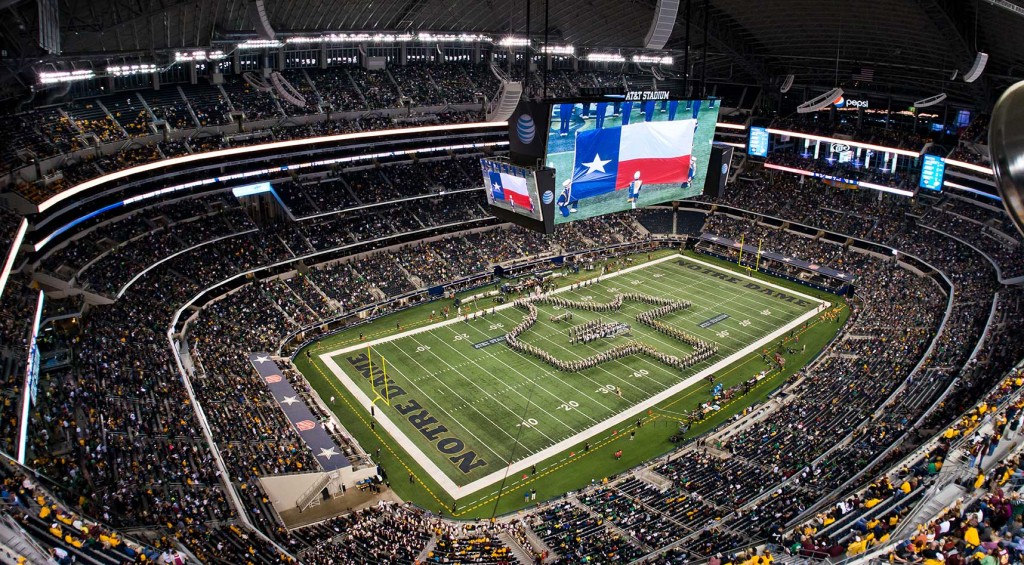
(382, 393)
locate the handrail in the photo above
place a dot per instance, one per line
(999, 271)
(291, 143)
(222, 469)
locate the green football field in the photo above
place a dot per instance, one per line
(467, 408)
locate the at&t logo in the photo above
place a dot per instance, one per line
(526, 130)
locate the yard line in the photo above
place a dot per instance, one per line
(700, 370)
(535, 361)
(747, 293)
(592, 381)
(704, 280)
(602, 366)
(700, 306)
(570, 428)
(469, 404)
(517, 417)
(705, 283)
(336, 369)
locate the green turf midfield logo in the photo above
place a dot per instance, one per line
(712, 321)
(489, 342)
(421, 419)
(763, 289)
(597, 330)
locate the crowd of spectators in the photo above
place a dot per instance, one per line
(989, 236)
(90, 117)
(116, 435)
(483, 79)
(128, 111)
(209, 103)
(867, 519)
(969, 154)
(337, 90)
(176, 114)
(50, 131)
(297, 78)
(42, 133)
(415, 83)
(977, 132)
(90, 167)
(377, 88)
(256, 104)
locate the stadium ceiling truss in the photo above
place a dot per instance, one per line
(911, 46)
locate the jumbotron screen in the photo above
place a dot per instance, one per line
(614, 156)
(511, 188)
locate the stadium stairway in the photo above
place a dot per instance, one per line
(843, 528)
(610, 524)
(12, 538)
(787, 559)
(931, 506)
(515, 549)
(539, 545)
(425, 554)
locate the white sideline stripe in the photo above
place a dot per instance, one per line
(457, 492)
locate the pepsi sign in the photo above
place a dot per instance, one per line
(842, 102)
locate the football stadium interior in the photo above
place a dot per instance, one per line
(724, 282)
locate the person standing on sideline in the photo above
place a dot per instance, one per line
(627, 109)
(634, 189)
(602, 109)
(565, 118)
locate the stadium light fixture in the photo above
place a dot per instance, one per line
(19, 237)
(512, 41)
(427, 37)
(306, 39)
(969, 166)
(260, 44)
(188, 56)
(353, 38)
(652, 59)
(606, 58)
(55, 77)
(126, 70)
(971, 190)
(559, 50)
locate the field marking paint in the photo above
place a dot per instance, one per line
(457, 492)
(456, 319)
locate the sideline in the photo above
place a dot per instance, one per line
(457, 492)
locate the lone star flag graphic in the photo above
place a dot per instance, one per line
(511, 189)
(607, 159)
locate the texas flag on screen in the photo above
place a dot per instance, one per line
(511, 189)
(607, 159)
